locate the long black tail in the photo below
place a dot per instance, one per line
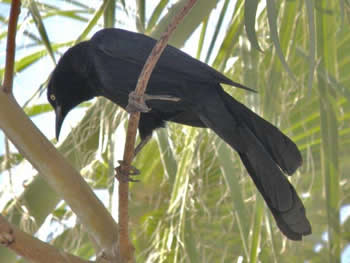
(265, 152)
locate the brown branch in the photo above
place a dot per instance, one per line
(11, 46)
(59, 174)
(126, 249)
(31, 248)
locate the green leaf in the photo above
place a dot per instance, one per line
(256, 236)
(27, 61)
(41, 28)
(272, 18)
(326, 46)
(167, 156)
(156, 14)
(38, 109)
(109, 14)
(202, 37)
(224, 155)
(250, 8)
(184, 30)
(93, 21)
(231, 37)
(217, 29)
(141, 15)
(312, 52)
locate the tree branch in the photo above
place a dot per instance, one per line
(126, 249)
(60, 175)
(30, 199)
(11, 46)
(31, 248)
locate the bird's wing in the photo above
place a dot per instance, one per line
(135, 47)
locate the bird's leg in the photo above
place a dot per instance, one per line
(142, 143)
(121, 176)
(137, 103)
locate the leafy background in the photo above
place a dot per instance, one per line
(195, 201)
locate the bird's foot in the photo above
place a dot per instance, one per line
(137, 103)
(123, 176)
(143, 142)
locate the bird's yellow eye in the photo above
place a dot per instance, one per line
(52, 97)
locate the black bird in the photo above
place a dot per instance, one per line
(109, 65)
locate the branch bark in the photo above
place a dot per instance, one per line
(32, 198)
(31, 248)
(11, 46)
(60, 175)
(126, 249)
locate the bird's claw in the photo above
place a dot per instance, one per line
(137, 103)
(125, 177)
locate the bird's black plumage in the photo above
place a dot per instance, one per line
(109, 65)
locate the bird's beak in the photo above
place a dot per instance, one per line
(59, 120)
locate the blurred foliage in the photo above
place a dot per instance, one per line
(195, 201)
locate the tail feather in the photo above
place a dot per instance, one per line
(292, 222)
(265, 152)
(282, 150)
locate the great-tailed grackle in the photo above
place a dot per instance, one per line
(109, 65)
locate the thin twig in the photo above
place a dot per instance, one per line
(11, 46)
(31, 248)
(126, 249)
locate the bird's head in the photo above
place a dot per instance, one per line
(69, 84)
